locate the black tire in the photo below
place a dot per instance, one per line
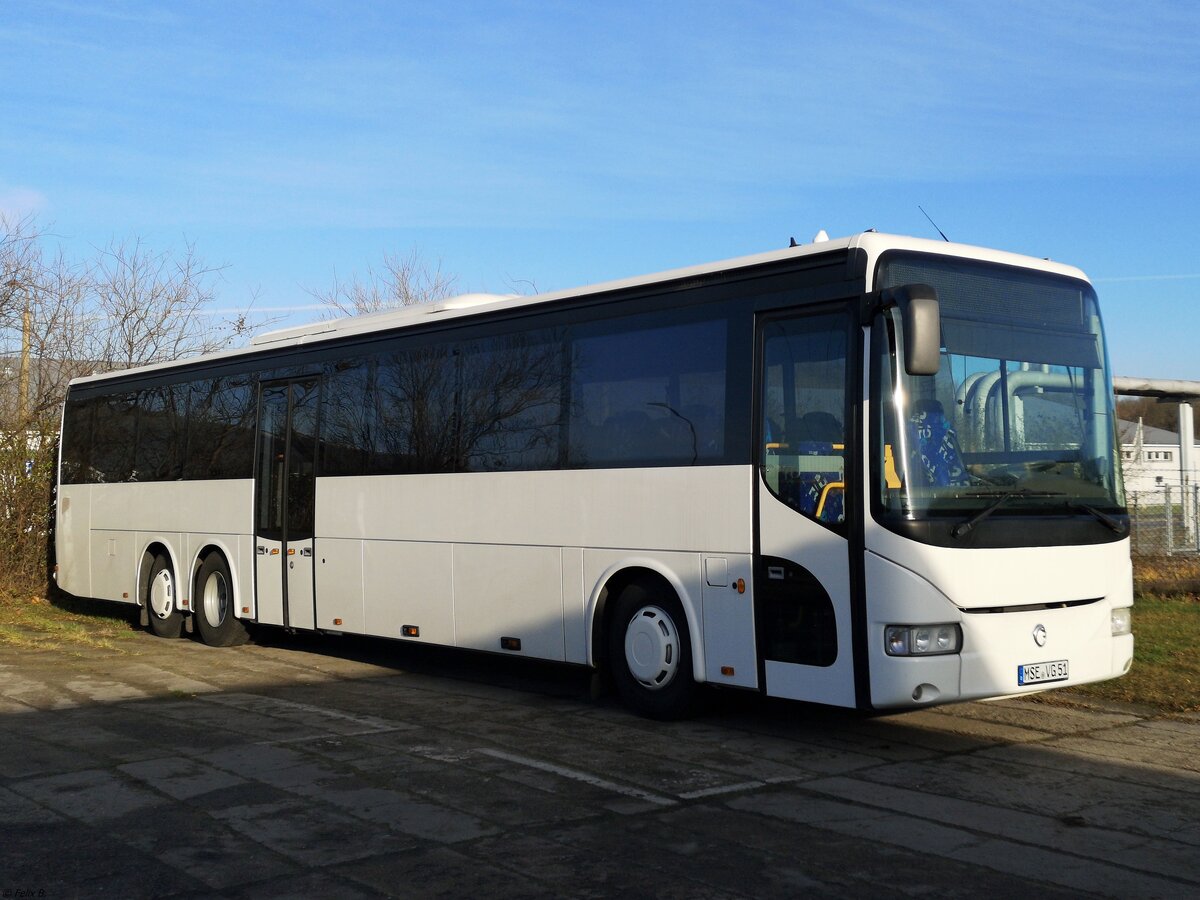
(650, 653)
(161, 597)
(214, 605)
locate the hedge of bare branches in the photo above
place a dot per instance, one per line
(61, 318)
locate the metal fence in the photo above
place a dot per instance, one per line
(1164, 521)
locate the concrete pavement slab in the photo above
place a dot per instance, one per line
(369, 769)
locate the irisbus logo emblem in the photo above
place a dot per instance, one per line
(1039, 635)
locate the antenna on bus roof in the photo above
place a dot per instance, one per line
(818, 238)
(933, 223)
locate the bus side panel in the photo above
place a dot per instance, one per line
(244, 576)
(339, 585)
(575, 600)
(505, 591)
(73, 550)
(111, 542)
(700, 509)
(407, 583)
(470, 558)
(113, 571)
(206, 513)
(729, 646)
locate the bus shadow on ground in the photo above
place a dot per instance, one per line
(524, 674)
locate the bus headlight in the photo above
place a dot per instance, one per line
(1122, 620)
(922, 640)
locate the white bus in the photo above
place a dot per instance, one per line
(873, 472)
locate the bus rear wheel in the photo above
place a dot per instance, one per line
(649, 653)
(162, 608)
(215, 620)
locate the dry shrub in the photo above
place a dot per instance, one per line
(26, 479)
(1167, 574)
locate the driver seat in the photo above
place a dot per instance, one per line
(933, 446)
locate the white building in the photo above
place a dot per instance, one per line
(1150, 458)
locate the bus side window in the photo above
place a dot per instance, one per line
(114, 437)
(648, 394)
(77, 441)
(348, 417)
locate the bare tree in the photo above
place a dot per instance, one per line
(25, 276)
(61, 319)
(149, 307)
(403, 281)
(126, 307)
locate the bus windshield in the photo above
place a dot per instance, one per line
(1019, 416)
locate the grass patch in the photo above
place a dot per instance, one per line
(1166, 657)
(34, 623)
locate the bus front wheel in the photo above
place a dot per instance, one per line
(162, 608)
(649, 652)
(217, 624)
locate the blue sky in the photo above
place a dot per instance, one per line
(559, 143)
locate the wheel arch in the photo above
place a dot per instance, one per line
(652, 574)
(153, 548)
(208, 547)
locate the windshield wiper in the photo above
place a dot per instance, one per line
(963, 527)
(1099, 516)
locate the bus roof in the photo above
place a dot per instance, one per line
(871, 242)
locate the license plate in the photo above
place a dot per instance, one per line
(1038, 673)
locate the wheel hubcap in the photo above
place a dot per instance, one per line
(652, 648)
(162, 594)
(216, 599)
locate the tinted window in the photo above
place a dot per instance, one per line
(416, 416)
(348, 418)
(114, 435)
(649, 396)
(220, 429)
(162, 433)
(301, 461)
(272, 458)
(77, 440)
(510, 402)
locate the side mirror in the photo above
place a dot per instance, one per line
(919, 308)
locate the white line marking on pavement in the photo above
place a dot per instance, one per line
(585, 777)
(290, 709)
(331, 735)
(721, 789)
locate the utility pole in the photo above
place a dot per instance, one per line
(23, 376)
(1187, 467)
(10, 290)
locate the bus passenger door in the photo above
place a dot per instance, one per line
(802, 597)
(285, 491)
